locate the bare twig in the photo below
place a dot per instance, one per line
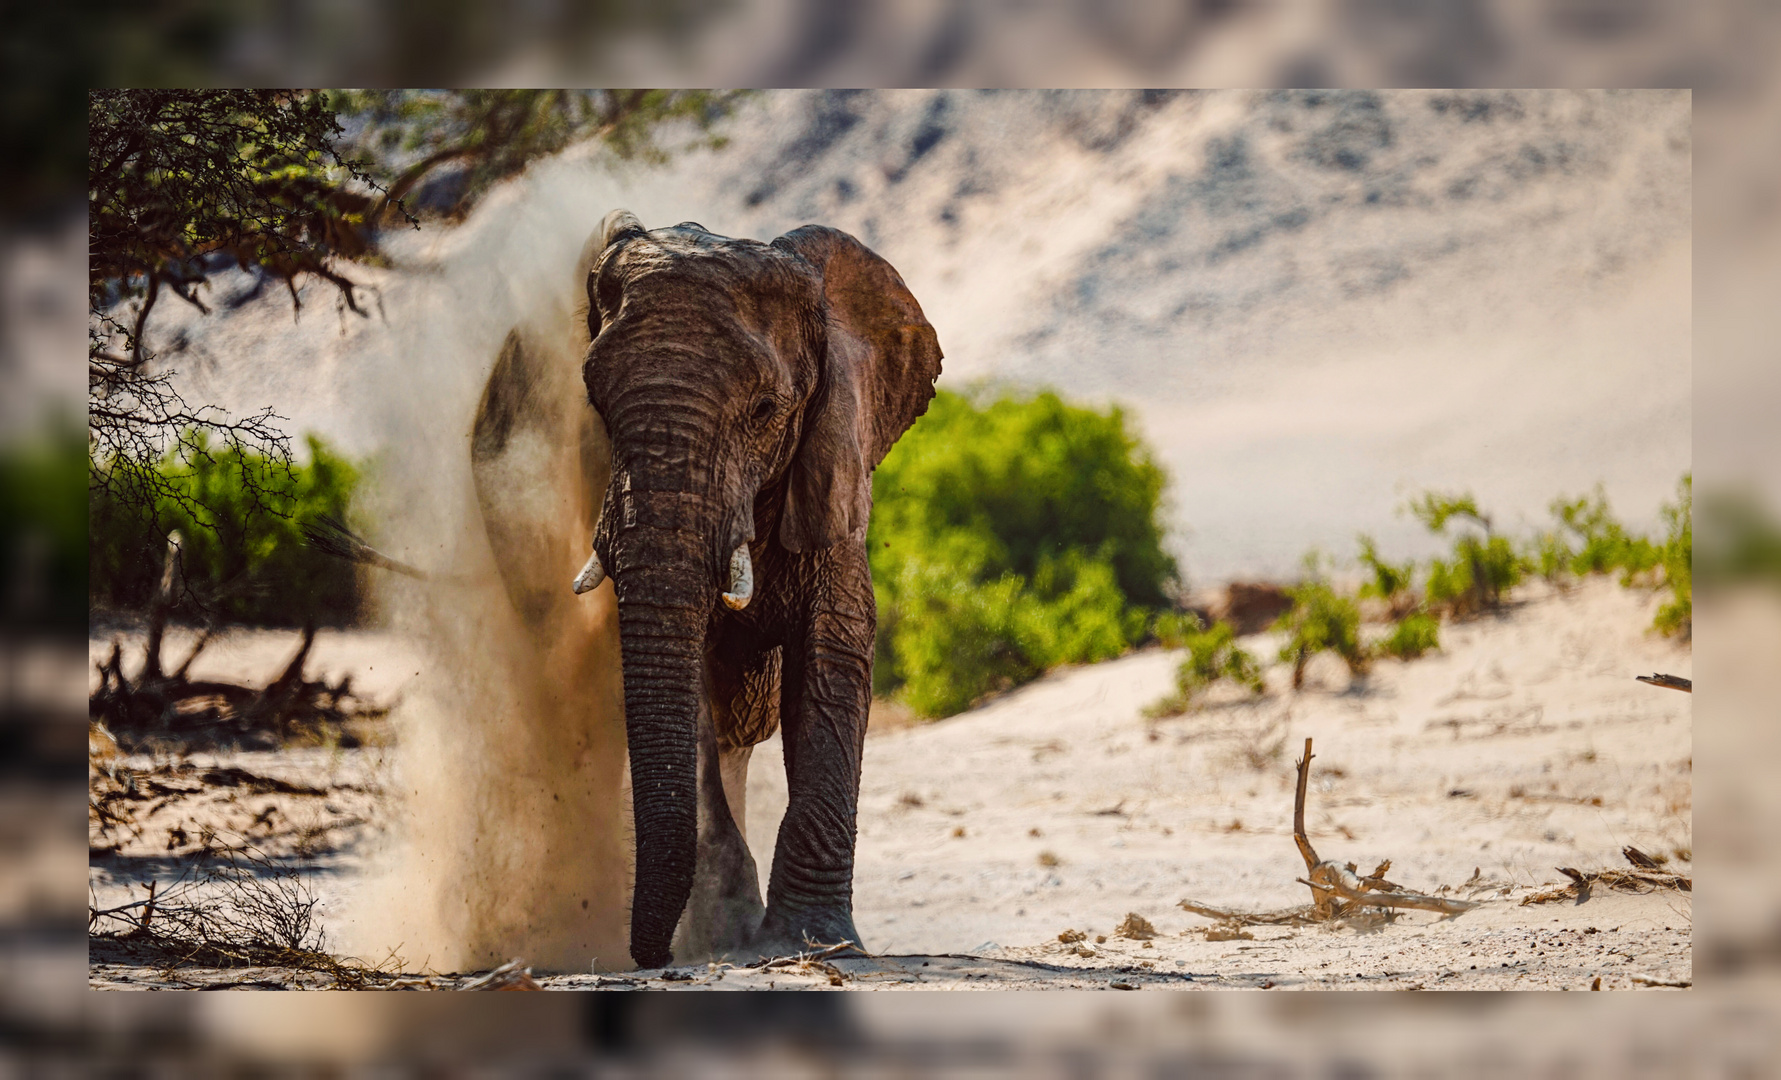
(1344, 883)
(330, 536)
(513, 975)
(1298, 916)
(1669, 682)
(1640, 881)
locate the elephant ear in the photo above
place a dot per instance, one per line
(878, 363)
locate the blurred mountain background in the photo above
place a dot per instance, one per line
(1312, 303)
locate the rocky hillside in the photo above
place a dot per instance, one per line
(1313, 302)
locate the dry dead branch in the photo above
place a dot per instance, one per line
(331, 536)
(1638, 881)
(513, 975)
(1338, 891)
(1669, 682)
(1298, 916)
(1344, 883)
(1654, 980)
(1331, 881)
(156, 708)
(232, 907)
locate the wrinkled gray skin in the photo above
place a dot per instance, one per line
(746, 392)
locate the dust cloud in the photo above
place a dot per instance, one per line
(509, 835)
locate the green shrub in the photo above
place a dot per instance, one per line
(1212, 655)
(957, 638)
(1414, 634)
(1171, 629)
(1435, 509)
(43, 529)
(1548, 555)
(1606, 546)
(1010, 535)
(1390, 582)
(1676, 617)
(242, 551)
(1476, 577)
(1481, 568)
(1321, 620)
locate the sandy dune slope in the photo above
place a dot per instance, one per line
(1526, 745)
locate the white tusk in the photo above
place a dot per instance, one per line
(591, 575)
(741, 579)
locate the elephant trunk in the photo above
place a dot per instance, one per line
(665, 594)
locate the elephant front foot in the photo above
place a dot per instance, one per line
(787, 933)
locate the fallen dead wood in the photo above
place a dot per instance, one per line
(1344, 883)
(1331, 882)
(155, 708)
(1636, 881)
(230, 907)
(1669, 682)
(1298, 916)
(1654, 980)
(513, 975)
(1338, 891)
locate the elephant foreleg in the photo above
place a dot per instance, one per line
(724, 910)
(828, 687)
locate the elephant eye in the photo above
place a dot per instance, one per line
(764, 409)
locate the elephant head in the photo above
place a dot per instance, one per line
(748, 391)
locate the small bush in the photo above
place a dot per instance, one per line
(1415, 634)
(1481, 568)
(1548, 555)
(1390, 582)
(1171, 629)
(1321, 620)
(242, 554)
(1605, 545)
(43, 529)
(1212, 655)
(957, 638)
(1476, 577)
(1676, 618)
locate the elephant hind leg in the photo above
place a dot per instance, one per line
(732, 766)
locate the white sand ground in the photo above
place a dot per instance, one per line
(1525, 745)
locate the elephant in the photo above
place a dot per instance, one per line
(735, 397)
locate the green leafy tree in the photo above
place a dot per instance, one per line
(178, 180)
(1010, 535)
(491, 135)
